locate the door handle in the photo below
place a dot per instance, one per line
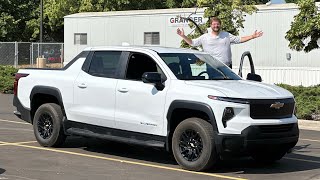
(82, 85)
(123, 90)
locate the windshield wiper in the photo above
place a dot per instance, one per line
(223, 78)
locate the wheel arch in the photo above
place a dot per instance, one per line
(182, 109)
(44, 94)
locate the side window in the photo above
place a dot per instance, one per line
(139, 64)
(105, 63)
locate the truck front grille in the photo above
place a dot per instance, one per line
(271, 109)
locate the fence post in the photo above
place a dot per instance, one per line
(31, 54)
(16, 52)
(62, 54)
(38, 50)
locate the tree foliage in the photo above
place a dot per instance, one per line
(305, 29)
(14, 17)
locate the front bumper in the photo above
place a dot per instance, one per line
(258, 139)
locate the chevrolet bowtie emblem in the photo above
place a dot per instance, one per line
(277, 105)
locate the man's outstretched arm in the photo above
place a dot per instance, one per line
(256, 34)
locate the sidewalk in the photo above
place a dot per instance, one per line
(309, 125)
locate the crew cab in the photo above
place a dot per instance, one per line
(182, 100)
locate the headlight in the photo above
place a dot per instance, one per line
(228, 99)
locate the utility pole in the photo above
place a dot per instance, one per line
(41, 27)
(41, 20)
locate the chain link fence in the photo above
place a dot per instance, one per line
(25, 54)
(52, 52)
(8, 54)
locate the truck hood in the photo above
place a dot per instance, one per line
(243, 89)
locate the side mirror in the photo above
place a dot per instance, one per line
(254, 77)
(153, 78)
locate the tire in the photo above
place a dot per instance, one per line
(47, 125)
(268, 157)
(199, 153)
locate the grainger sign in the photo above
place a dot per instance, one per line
(181, 22)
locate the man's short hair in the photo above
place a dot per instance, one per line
(215, 19)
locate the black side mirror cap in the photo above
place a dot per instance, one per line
(254, 77)
(153, 78)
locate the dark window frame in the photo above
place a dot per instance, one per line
(126, 64)
(88, 62)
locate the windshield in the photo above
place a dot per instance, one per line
(190, 66)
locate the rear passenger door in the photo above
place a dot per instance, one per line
(94, 89)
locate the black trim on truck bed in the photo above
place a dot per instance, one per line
(47, 90)
(88, 130)
(22, 112)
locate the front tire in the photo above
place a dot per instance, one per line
(47, 125)
(193, 145)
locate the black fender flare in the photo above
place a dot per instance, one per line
(48, 90)
(192, 105)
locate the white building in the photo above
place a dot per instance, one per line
(273, 60)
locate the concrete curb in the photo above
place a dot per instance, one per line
(309, 125)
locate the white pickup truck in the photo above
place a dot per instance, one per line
(179, 99)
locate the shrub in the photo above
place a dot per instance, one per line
(7, 78)
(307, 101)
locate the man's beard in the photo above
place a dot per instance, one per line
(215, 29)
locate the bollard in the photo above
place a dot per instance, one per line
(41, 62)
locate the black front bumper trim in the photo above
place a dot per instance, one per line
(252, 139)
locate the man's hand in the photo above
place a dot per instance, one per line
(180, 32)
(257, 34)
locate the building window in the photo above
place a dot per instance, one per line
(152, 38)
(80, 38)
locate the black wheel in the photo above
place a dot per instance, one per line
(193, 145)
(47, 125)
(268, 157)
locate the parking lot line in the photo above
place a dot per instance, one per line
(304, 160)
(124, 161)
(313, 140)
(3, 120)
(17, 143)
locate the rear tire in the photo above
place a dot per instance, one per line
(47, 125)
(193, 145)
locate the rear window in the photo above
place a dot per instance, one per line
(105, 63)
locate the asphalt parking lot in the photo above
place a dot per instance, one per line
(22, 158)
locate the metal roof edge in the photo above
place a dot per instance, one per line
(261, 8)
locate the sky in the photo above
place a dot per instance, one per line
(278, 1)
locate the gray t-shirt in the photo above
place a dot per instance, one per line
(219, 46)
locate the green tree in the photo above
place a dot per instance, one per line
(14, 15)
(231, 13)
(305, 29)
